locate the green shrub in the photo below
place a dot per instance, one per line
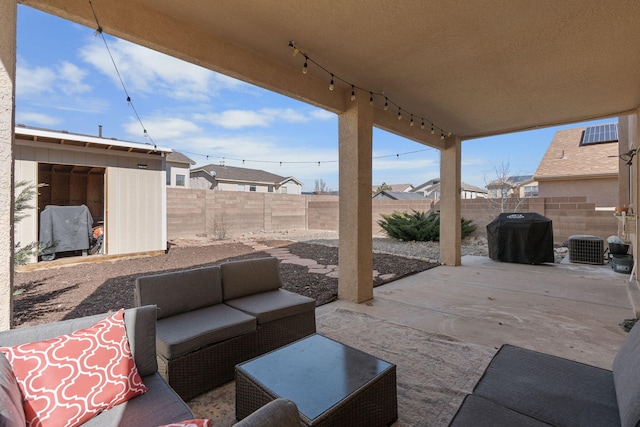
(418, 226)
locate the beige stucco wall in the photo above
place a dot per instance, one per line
(135, 205)
(174, 169)
(603, 192)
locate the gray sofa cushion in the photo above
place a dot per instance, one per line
(273, 305)
(180, 291)
(626, 376)
(183, 333)
(479, 412)
(11, 412)
(278, 413)
(248, 277)
(554, 390)
(140, 323)
(160, 405)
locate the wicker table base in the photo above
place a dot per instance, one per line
(331, 383)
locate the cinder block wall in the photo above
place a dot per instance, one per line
(194, 212)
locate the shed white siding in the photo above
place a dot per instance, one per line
(135, 193)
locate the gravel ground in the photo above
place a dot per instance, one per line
(428, 251)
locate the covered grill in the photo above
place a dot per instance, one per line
(525, 238)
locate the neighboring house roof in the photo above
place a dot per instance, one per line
(236, 174)
(567, 158)
(178, 157)
(512, 181)
(398, 195)
(434, 185)
(394, 187)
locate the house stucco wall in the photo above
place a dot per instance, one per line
(603, 192)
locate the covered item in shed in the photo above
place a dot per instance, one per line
(64, 228)
(525, 238)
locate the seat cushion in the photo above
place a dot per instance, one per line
(183, 333)
(558, 391)
(626, 376)
(180, 291)
(11, 412)
(250, 276)
(273, 305)
(159, 405)
(476, 411)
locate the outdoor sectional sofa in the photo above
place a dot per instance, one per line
(212, 318)
(159, 405)
(526, 388)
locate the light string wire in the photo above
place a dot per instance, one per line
(387, 100)
(223, 159)
(124, 88)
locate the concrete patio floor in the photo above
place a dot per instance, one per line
(569, 310)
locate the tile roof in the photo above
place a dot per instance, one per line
(399, 195)
(178, 157)
(565, 157)
(232, 173)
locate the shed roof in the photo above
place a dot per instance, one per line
(87, 141)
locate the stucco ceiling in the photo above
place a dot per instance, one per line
(472, 68)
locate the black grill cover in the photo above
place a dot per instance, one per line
(525, 238)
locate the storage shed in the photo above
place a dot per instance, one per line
(121, 183)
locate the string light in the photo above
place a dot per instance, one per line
(223, 160)
(372, 94)
(124, 88)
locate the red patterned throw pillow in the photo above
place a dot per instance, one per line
(190, 423)
(69, 379)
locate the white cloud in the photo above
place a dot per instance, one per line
(70, 78)
(320, 114)
(166, 129)
(265, 117)
(33, 80)
(36, 119)
(147, 71)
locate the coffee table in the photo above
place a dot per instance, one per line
(331, 383)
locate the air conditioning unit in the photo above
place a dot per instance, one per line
(586, 249)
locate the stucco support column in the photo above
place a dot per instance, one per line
(450, 203)
(8, 17)
(355, 256)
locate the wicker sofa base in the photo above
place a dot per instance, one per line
(209, 367)
(281, 332)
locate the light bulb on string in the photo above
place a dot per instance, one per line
(441, 135)
(432, 129)
(422, 124)
(331, 84)
(305, 67)
(399, 113)
(353, 93)
(386, 103)
(411, 123)
(370, 98)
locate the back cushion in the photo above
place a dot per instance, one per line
(180, 291)
(626, 377)
(248, 277)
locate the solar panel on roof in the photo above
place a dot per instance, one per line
(600, 134)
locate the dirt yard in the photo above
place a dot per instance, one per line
(53, 294)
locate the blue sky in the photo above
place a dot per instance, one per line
(66, 81)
